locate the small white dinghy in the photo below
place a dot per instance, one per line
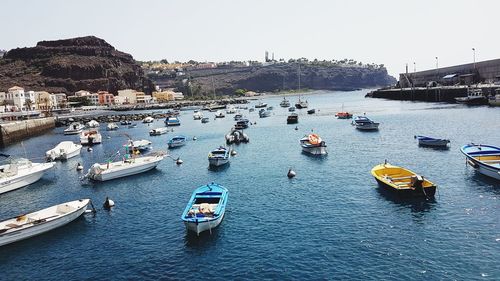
(63, 151)
(93, 124)
(124, 168)
(21, 172)
(90, 137)
(29, 225)
(112, 126)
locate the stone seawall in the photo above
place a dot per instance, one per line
(19, 130)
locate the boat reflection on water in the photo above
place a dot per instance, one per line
(417, 205)
(204, 239)
(219, 168)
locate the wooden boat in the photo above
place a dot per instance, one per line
(177, 141)
(219, 156)
(21, 172)
(36, 223)
(403, 181)
(313, 144)
(63, 151)
(428, 141)
(130, 165)
(74, 128)
(90, 137)
(483, 158)
(206, 208)
(364, 123)
(343, 115)
(158, 131)
(172, 121)
(292, 118)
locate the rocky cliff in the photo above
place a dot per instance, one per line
(277, 77)
(69, 65)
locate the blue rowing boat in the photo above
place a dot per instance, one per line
(428, 141)
(205, 210)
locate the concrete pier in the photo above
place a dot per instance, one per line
(15, 131)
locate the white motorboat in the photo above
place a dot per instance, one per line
(74, 128)
(35, 223)
(148, 119)
(90, 137)
(474, 96)
(112, 126)
(92, 124)
(141, 145)
(177, 141)
(21, 172)
(158, 131)
(197, 115)
(219, 156)
(231, 109)
(261, 104)
(301, 104)
(127, 167)
(364, 123)
(63, 151)
(313, 144)
(219, 114)
(285, 103)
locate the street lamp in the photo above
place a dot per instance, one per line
(414, 67)
(474, 56)
(437, 63)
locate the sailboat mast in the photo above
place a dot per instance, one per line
(213, 86)
(299, 77)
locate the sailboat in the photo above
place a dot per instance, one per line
(301, 103)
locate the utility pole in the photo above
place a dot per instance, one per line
(474, 56)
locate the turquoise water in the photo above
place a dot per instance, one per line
(330, 222)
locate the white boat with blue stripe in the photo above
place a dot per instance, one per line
(484, 158)
(177, 141)
(206, 208)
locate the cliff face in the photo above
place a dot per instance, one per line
(284, 76)
(84, 63)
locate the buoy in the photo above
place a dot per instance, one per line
(179, 161)
(108, 137)
(194, 138)
(89, 149)
(79, 167)
(108, 204)
(291, 173)
(296, 128)
(233, 152)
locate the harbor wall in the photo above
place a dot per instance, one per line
(19, 130)
(430, 94)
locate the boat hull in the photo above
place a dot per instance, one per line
(216, 162)
(66, 156)
(129, 171)
(491, 168)
(199, 227)
(429, 191)
(43, 227)
(367, 126)
(316, 150)
(434, 142)
(18, 181)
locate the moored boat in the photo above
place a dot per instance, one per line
(261, 105)
(494, 100)
(35, 223)
(236, 136)
(74, 128)
(403, 181)
(21, 172)
(127, 167)
(148, 119)
(483, 158)
(90, 137)
(311, 111)
(206, 208)
(219, 114)
(364, 123)
(231, 109)
(63, 151)
(301, 104)
(285, 102)
(125, 122)
(428, 141)
(313, 144)
(172, 121)
(291, 109)
(264, 113)
(177, 141)
(205, 120)
(343, 115)
(158, 131)
(112, 126)
(92, 124)
(292, 118)
(219, 156)
(197, 115)
(141, 145)
(474, 96)
(241, 124)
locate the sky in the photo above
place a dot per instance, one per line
(389, 32)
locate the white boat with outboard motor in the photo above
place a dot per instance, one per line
(35, 223)
(74, 128)
(63, 151)
(20, 172)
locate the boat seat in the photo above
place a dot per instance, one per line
(490, 161)
(402, 178)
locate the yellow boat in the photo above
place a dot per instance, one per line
(403, 181)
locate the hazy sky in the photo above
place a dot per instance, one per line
(390, 32)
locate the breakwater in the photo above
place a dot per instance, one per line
(19, 130)
(430, 94)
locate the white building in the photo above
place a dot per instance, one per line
(129, 95)
(82, 93)
(20, 99)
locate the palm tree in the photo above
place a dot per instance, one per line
(4, 104)
(28, 103)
